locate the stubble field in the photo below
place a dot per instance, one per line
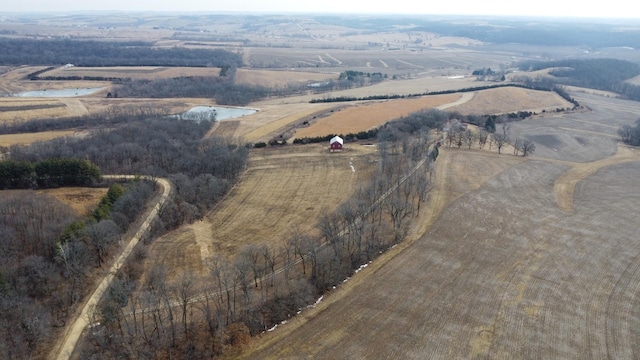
(513, 258)
(505, 271)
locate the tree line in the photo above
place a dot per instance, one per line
(601, 74)
(101, 53)
(47, 173)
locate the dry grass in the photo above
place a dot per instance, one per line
(281, 189)
(368, 115)
(82, 200)
(18, 109)
(29, 138)
(282, 78)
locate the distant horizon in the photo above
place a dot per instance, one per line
(614, 9)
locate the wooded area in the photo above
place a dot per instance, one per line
(48, 253)
(100, 53)
(601, 74)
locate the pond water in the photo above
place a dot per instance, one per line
(220, 112)
(58, 93)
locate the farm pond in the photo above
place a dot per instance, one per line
(216, 112)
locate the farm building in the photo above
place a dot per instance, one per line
(335, 144)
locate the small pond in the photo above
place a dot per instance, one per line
(220, 113)
(58, 93)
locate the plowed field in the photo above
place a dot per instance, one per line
(506, 270)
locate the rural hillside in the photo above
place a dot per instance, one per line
(284, 186)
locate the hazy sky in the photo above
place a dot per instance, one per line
(555, 8)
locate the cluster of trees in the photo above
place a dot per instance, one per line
(102, 53)
(46, 173)
(223, 89)
(630, 134)
(203, 168)
(602, 74)
(113, 116)
(361, 135)
(460, 136)
(47, 253)
(266, 284)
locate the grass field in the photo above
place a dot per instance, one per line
(282, 188)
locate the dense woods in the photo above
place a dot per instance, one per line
(223, 89)
(47, 252)
(101, 53)
(53, 172)
(602, 74)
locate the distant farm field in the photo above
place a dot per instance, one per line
(29, 138)
(132, 72)
(280, 78)
(512, 99)
(365, 116)
(17, 109)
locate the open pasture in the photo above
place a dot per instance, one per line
(283, 188)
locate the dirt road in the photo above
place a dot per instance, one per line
(73, 332)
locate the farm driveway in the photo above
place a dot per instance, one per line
(73, 332)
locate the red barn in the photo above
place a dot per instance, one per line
(335, 144)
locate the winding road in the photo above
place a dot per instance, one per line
(68, 342)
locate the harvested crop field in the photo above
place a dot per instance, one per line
(14, 109)
(282, 188)
(512, 99)
(530, 258)
(280, 78)
(368, 115)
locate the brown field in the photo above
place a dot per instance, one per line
(29, 138)
(280, 78)
(519, 258)
(19, 109)
(512, 99)
(368, 115)
(82, 200)
(134, 72)
(281, 189)
(513, 258)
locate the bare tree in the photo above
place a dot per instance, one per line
(528, 147)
